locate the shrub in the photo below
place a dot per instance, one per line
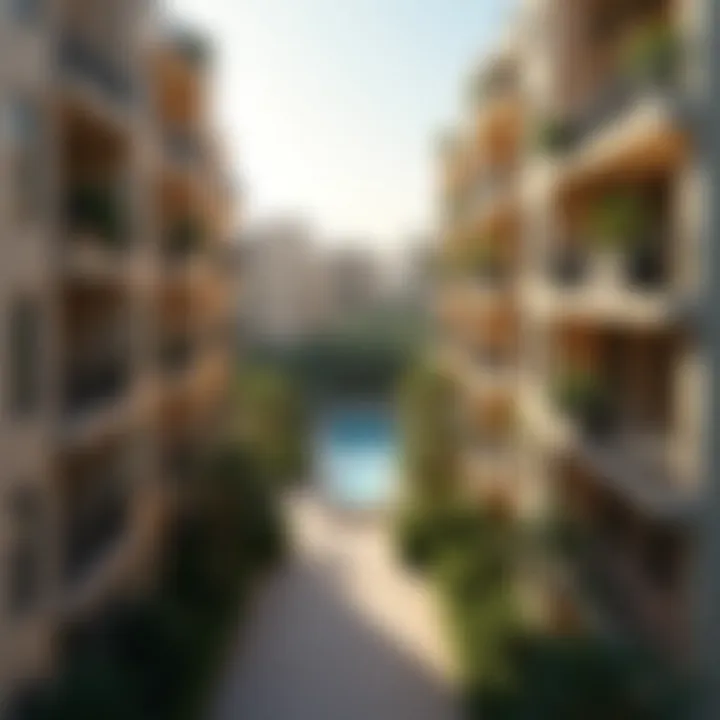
(619, 220)
(428, 438)
(153, 659)
(554, 136)
(581, 394)
(91, 686)
(415, 539)
(275, 424)
(570, 677)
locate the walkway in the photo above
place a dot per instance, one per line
(340, 634)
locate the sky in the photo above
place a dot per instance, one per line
(331, 108)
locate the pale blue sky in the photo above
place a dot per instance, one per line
(332, 106)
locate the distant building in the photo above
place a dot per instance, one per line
(355, 281)
(282, 299)
(417, 272)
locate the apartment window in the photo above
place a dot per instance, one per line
(26, 159)
(23, 363)
(24, 559)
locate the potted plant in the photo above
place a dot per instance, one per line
(554, 136)
(652, 54)
(95, 209)
(619, 225)
(583, 395)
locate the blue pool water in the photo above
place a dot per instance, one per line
(356, 457)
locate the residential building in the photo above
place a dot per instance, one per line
(284, 287)
(114, 306)
(573, 206)
(354, 279)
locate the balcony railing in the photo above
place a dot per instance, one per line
(619, 596)
(92, 533)
(95, 384)
(651, 67)
(80, 58)
(641, 268)
(607, 104)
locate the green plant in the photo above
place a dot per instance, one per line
(97, 209)
(561, 677)
(578, 390)
(653, 53)
(275, 420)
(414, 539)
(554, 136)
(480, 258)
(429, 443)
(585, 397)
(619, 220)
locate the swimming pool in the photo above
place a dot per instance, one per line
(356, 456)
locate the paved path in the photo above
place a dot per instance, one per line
(340, 634)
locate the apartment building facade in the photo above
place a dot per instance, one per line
(115, 307)
(573, 204)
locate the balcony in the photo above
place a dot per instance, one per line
(96, 398)
(637, 466)
(626, 589)
(630, 459)
(91, 536)
(647, 63)
(96, 229)
(579, 287)
(619, 271)
(83, 61)
(93, 384)
(96, 541)
(633, 116)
